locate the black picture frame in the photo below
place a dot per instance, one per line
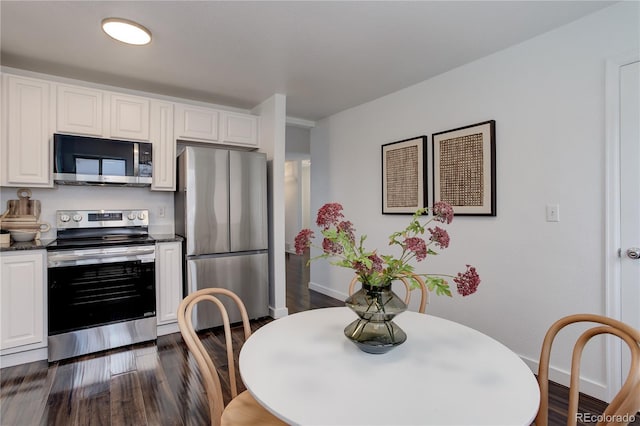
(404, 176)
(464, 168)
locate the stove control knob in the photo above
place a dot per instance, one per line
(131, 216)
(141, 215)
(77, 218)
(64, 218)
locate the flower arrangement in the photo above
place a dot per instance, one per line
(376, 269)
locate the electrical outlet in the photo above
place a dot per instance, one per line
(161, 211)
(553, 212)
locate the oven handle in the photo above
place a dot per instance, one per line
(76, 258)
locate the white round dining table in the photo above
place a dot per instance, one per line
(305, 371)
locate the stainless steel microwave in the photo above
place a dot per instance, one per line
(82, 160)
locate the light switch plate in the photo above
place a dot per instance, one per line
(553, 212)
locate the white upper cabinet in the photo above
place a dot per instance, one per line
(34, 109)
(196, 123)
(239, 128)
(164, 146)
(129, 117)
(210, 125)
(80, 111)
(94, 112)
(27, 131)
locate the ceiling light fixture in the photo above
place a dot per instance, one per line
(126, 31)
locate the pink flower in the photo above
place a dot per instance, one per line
(468, 281)
(442, 212)
(329, 214)
(347, 228)
(376, 265)
(418, 246)
(303, 240)
(440, 237)
(331, 247)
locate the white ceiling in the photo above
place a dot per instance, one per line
(325, 56)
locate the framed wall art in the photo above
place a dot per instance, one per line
(464, 168)
(404, 188)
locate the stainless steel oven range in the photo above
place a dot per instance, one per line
(101, 282)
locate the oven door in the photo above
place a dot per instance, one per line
(95, 287)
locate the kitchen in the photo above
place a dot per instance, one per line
(82, 110)
(527, 138)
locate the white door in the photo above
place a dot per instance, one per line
(629, 198)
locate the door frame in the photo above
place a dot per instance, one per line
(613, 302)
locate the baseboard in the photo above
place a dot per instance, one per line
(327, 291)
(278, 313)
(25, 357)
(170, 328)
(588, 387)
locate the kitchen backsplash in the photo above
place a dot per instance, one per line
(66, 197)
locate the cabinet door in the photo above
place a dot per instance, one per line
(26, 149)
(22, 299)
(168, 281)
(129, 117)
(79, 111)
(164, 147)
(196, 123)
(239, 128)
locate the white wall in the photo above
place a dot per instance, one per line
(96, 197)
(297, 142)
(547, 97)
(272, 142)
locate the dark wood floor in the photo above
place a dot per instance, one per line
(154, 383)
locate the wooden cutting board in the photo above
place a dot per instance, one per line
(23, 213)
(24, 206)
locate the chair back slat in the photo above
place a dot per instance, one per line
(207, 368)
(626, 402)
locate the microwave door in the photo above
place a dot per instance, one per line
(87, 160)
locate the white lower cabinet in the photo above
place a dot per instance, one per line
(22, 300)
(168, 281)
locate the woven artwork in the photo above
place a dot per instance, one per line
(464, 168)
(462, 171)
(403, 174)
(402, 177)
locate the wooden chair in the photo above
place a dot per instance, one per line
(627, 401)
(424, 297)
(243, 409)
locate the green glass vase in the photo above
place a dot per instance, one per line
(374, 331)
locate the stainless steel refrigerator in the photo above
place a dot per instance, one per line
(221, 211)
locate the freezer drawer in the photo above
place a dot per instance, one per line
(247, 275)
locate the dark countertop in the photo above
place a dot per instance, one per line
(42, 244)
(166, 238)
(26, 245)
